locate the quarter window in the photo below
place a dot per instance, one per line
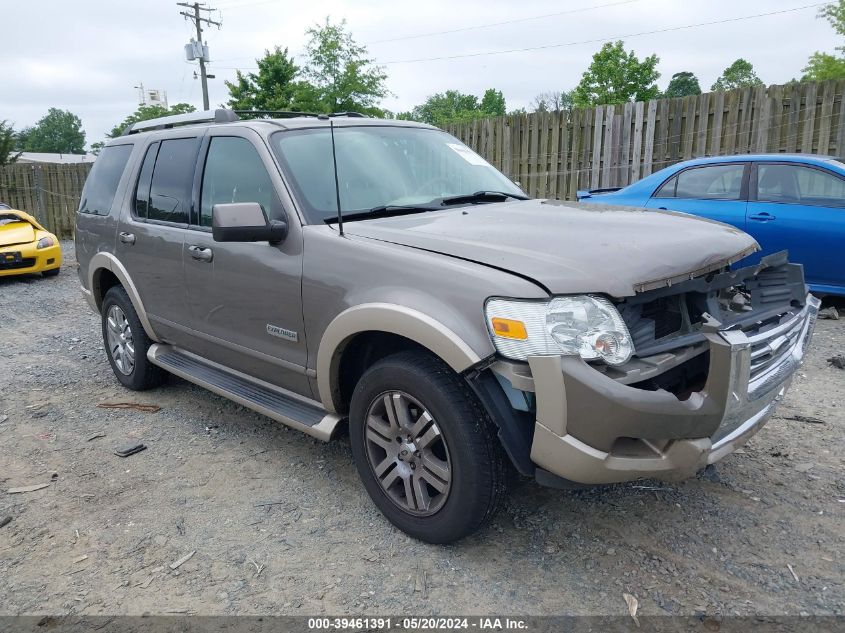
(234, 172)
(799, 185)
(142, 191)
(172, 180)
(668, 188)
(103, 180)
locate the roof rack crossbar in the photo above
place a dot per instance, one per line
(220, 115)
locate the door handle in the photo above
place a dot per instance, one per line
(126, 238)
(200, 254)
(762, 217)
(662, 208)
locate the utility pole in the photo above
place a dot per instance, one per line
(198, 22)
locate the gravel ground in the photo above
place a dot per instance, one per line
(279, 523)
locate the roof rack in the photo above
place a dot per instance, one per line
(271, 114)
(288, 114)
(223, 115)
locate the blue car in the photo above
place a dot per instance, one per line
(785, 201)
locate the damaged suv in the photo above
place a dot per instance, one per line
(324, 270)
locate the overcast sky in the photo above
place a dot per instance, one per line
(86, 55)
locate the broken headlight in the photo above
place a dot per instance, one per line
(584, 325)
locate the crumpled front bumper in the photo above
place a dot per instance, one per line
(592, 429)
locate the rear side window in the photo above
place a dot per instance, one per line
(171, 181)
(101, 186)
(799, 185)
(234, 172)
(716, 182)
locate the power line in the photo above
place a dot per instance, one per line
(606, 39)
(198, 21)
(502, 23)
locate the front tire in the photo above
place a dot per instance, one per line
(427, 453)
(127, 343)
(51, 273)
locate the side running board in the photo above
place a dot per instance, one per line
(279, 404)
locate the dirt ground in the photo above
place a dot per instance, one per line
(278, 523)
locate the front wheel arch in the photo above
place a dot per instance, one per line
(406, 323)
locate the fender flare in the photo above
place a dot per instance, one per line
(107, 261)
(392, 319)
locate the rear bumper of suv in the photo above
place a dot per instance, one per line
(645, 433)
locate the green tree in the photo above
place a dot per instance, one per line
(740, 74)
(823, 66)
(834, 13)
(273, 87)
(8, 142)
(340, 77)
(683, 84)
(493, 103)
(59, 131)
(21, 138)
(443, 107)
(615, 76)
(454, 105)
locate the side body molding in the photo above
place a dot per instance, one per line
(393, 319)
(104, 260)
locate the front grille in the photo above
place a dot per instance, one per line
(771, 351)
(757, 299)
(28, 262)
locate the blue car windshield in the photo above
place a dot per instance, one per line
(381, 166)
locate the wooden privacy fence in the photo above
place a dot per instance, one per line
(554, 154)
(49, 191)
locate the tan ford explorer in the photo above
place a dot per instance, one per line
(334, 271)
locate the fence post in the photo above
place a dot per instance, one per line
(40, 211)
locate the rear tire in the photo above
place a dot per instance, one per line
(450, 479)
(127, 343)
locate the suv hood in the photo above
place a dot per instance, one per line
(570, 247)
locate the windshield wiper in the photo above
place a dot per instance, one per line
(481, 196)
(383, 211)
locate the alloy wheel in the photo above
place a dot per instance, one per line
(119, 338)
(407, 453)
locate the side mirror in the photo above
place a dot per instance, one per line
(245, 222)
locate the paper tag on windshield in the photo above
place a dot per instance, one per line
(467, 154)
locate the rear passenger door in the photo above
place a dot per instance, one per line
(151, 234)
(718, 192)
(245, 297)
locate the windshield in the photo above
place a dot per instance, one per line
(381, 166)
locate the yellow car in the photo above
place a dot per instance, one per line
(26, 246)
